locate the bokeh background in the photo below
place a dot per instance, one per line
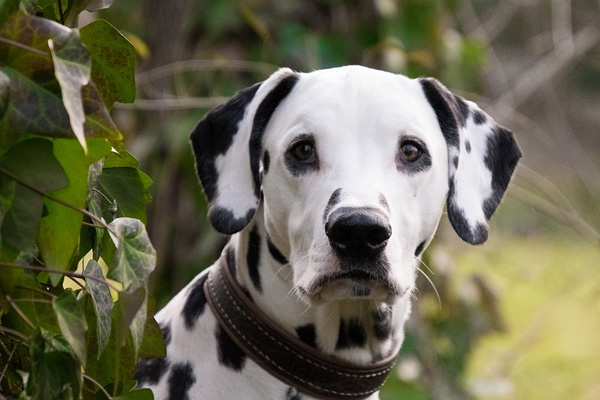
(516, 318)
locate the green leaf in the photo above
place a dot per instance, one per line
(135, 258)
(31, 162)
(7, 194)
(71, 320)
(7, 7)
(153, 342)
(128, 186)
(59, 229)
(134, 306)
(113, 62)
(138, 394)
(103, 304)
(72, 67)
(54, 375)
(35, 102)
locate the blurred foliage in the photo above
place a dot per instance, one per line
(75, 256)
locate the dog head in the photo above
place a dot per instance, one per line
(351, 168)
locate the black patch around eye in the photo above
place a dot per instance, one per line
(295, 166)
(420, 248)
(308, 334)
(253, 258)
(266, 162)
(275, 253)
(333, 200)
(230, 354)
(423, 163)
(150, 370)
(181, 380)
(194, 304)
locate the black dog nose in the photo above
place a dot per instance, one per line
(360, 234)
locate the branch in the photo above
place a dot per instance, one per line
(70, 274)
(548, 67)
(56, 200)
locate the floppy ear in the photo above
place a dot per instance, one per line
(482, 157)
(227, 144)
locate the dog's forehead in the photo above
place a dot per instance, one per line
(355, 99)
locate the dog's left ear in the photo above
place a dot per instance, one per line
(227, 144)
(482, 157)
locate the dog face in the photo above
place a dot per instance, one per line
(351, 168)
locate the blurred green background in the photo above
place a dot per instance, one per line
(516, 318)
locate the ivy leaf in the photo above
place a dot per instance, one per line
(72, 67)
(59, 228)
(103, 304)
(134, 307)
(35, 103)
(113, 62)
(135, 258)
(71, 319)
(31, 162)
(129, 188)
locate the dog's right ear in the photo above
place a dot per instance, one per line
(227, 144)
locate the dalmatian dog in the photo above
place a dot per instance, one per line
(332, 184)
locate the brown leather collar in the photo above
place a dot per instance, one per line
(283, 355)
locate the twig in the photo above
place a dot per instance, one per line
(56, 271)
(18, 310)
(24, 46)
(14, 332)
(59, 201)
(204, 65)
(8, 361)
(548, 67)
(173, 104)
(95, 382)
(45, 293)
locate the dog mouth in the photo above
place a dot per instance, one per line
(353, 285)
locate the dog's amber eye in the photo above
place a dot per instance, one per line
(410, 152)
(304, 152)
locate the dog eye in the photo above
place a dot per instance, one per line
(410, 151)
(304, 152)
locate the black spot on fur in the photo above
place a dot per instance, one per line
(275, 253)
(224, 221)
(308, 334)
(333, 200)
(351, 335)
(445, 109)
(455, 161)
(150, 370)
(214, 134)
(292, 394)
(253, 258)
(194, 304)
(479, 117)
(420, 248)
(468, 146)
(263, 114)
(464, 109)
(230, 354)
(501, 158)
(181, 380)
(266, 162)
(382, 323)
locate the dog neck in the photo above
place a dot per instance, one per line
(357, 331)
